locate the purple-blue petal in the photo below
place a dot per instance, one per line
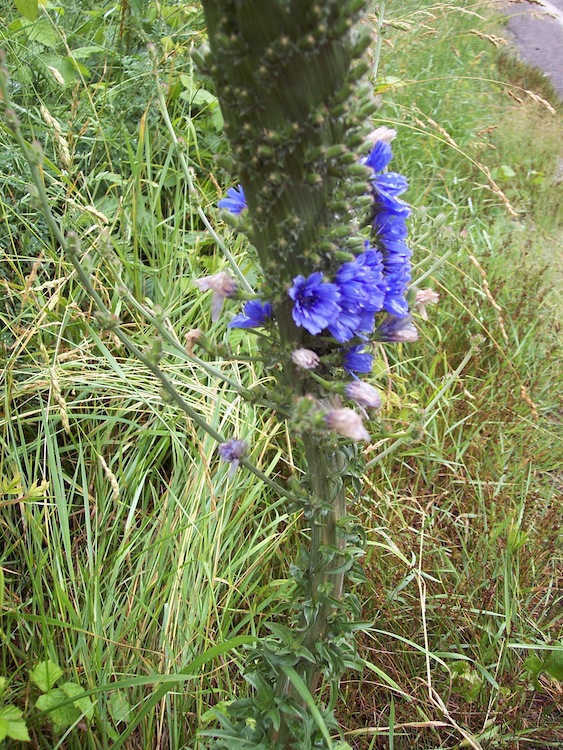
(356, 359)
(380, 156)
(235, 202)
(255, 314)
(316, 302)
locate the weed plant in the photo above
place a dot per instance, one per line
(128, 553)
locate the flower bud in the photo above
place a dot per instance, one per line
(232, 451)
(191, 338)
(348, 423)
(305, 358)
(397, 330)
(222, 285)
(363, 394)
(425, 297)
(382, 133)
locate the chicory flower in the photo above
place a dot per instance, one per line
(255, 314)
(316, 302)
(235, 202)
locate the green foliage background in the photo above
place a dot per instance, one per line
(127, 552)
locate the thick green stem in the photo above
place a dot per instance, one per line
(325, 468)
(286, 79)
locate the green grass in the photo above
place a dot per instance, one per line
(127, 551)
(465, 554)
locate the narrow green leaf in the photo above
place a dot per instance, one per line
(308, 699)
(189, 672)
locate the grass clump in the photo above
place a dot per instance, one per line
(465, 546)
(128, 553)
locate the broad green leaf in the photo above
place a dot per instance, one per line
(11, 713)
(2, 684)
(119, 707)
(17, 730)
(45, 674)
(74, 691)
(533, 664)
(42, 32)
(203, 97)
(78, 66)
(81, 53)
(506, 172)
(12, 725)
(53, 704)
(388, 82)
(28, 8)
(554, 664)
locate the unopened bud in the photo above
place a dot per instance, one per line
(363, 394)
(348, 423)
(191, 338)
(305, 358)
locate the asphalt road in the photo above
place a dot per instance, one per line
(537, 30)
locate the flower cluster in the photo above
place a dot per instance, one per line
(376, 280)
(345, 306)
(390, 229)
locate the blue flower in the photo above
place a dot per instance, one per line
(373, 301)
(352, 283)
(397, 330)
(397, 285)
(356, 359)
(380, 156)
(397, 267)
(387, 187)
(389, 227)
(390, 183)
(361, 287)
(255, 314)
(316, 302)
(232, 451)
(395, 249)
(235, 202)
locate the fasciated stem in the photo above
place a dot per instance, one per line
(326, 575)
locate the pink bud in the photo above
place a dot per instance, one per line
(348, 423)
(305, 358)
(222, 285)
(363, 394)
